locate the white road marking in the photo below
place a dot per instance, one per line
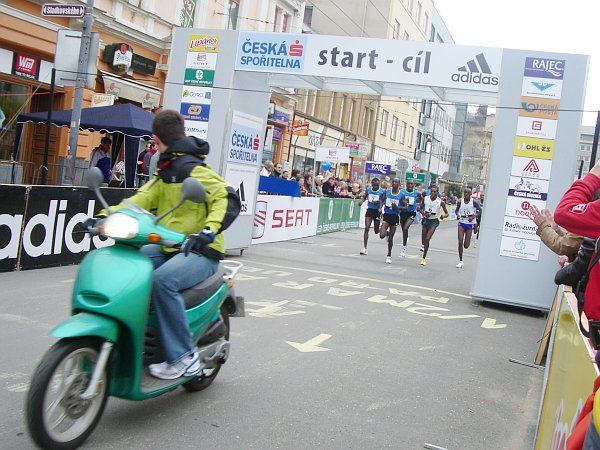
(312, 345)
(67, 281)
(19, 387)
(491, 324)
(14, 318)
(342, 292)
(373, 280)
(292, 285)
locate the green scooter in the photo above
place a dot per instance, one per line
(111, 337)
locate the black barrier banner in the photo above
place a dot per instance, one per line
(12, 211)
(49, 234)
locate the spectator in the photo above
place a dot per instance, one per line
(267, 169)
(342, 189)
(285, 175)
(143, 163)
(318, 192)
(117, 176)
(329, 187)
(554, 237)
(579, 213)
(277, 171)
(296, 174)
(308, 183)
(356, 190)
(303, 190)
(101, 157)
(153, 164)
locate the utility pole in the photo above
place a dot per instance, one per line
(428, 179)
(595, 144)
(84, 55)
(48, 124)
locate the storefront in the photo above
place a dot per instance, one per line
(277, 141)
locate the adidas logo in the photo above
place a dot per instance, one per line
(476, 71)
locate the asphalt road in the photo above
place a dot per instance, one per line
(337, 351)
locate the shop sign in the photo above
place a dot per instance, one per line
(148, 102)
(333, 154)
(300, 128)
(143, 65)
(378, 168)
(282, 116)
(112, 89)
(277, 134)
(26, 66)
(123, 57)
(416, 177)
(62, 10)
(102, 100)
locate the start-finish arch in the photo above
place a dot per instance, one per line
(220, 81)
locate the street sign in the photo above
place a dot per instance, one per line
(62, 10)
(416, 177)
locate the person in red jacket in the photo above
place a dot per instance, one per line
(579, 212)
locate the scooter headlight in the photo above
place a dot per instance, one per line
(120, 226)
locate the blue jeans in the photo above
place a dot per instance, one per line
(171, 275)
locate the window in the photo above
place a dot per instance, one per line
(426, 24)
(342, 106)
(406, 36)
(419, 141)
(394, 131)
(330, 112)
(286, 21)
(313, 105)
(409, 6)
(384, 121)
(432, 37)
(350, 112)
(12, 100)
(234, 9)
(411, 136)
(308, 15)
(367, 121)
(396, 31)
(419, 13)
(402, 132)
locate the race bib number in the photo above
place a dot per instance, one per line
(373, 198)
(411, 201)
(390, 201)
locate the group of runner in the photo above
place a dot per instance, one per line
(389, 208)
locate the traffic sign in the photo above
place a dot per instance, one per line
(416, 177)
(62, 10)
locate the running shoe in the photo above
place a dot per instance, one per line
(460, 265)
(363, 251)
(388, 260)
(188, 366)
(403, 252)
(423, 262)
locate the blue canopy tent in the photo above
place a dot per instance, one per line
(126, 122)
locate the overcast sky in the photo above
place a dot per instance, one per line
(571, 26)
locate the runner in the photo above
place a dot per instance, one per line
(410, 203)
(466, 210)
(478, 227)
(391, 216)
(374, 196)
(430, 208)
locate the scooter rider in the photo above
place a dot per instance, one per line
(199, 256)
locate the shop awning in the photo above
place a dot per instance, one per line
(148, 96)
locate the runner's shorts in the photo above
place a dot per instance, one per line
(391, 219)
(430, 223)
(404, 216)
(466, 226)
(373, 213)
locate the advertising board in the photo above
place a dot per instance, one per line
(281, 218)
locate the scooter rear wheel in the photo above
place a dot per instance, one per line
(206, 377)
(57, 418)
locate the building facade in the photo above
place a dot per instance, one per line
(477, 146)
(584, 154)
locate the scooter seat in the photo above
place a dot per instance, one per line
(199, 293)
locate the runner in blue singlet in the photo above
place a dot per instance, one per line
(410, 203)
(391, 216)
(374, 197)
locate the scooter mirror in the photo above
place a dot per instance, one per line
(94, 178)
(193, 191)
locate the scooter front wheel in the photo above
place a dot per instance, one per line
(57, 416)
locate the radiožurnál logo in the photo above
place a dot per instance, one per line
(476, 71)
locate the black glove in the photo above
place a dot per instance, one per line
(570, 274)
(196, 242)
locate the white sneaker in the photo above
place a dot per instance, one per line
(363, 251)
(403, 252)
(187, 367)
(388, 260)
(460, 265)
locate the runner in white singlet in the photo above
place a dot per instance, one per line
(466, 210)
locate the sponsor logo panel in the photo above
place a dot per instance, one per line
(196, 128)
(266, 51)
(191, 94)
(476, 71)
(244, 139)
(531, 168)
(195, 112)
(521, 207)
(528, 188)
(541, 87)
(520, 228)
(243, 179)
(197, 60)
(204, 43)
(535, 127)
(199, 77)
(514, 247)
(536, 107)
(534, 148)
(553, 69)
